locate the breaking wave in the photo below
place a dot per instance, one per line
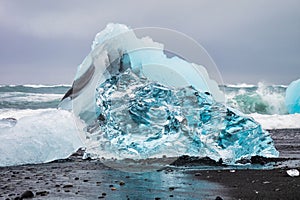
(261, 98)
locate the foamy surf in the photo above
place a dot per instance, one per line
(276, 121)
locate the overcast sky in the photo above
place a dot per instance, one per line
(250, 41)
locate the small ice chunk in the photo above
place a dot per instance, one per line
(292, 172)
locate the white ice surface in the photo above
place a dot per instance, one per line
(39, 136)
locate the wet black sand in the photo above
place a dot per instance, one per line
(188, 178)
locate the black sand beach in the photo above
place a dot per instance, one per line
(74, 178)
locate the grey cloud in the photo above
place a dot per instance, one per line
(249, 40)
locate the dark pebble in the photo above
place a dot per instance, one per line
(103, 194)
(57, 185)
(76, 178)
(67, 190)
(198, 174)
(17, 198)
(171, 188)
(171, 195)
(111, 186)
(157, 198)
(122, 183)
(101, 197)
(27, 177)
(27, 194)
(68, 186)
(42, 193)
(219, 198)
(85, 180)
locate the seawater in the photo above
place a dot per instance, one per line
(260, 101)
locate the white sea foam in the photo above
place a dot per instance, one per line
(39, 136)
(240, 85)
(37, 85)
(277, 121)
(40, 85)
(34, 97)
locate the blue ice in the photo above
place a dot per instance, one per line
(292, 98)
(138, 103)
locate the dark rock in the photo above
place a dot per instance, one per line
(103, 194)
(186, 160)
(76, 178)
(122, 183)
(157, 198)
(27, 194)
(17, 198)
(42, 193)
(171, 188)
(258, 160)
(68, 186)
(198, 174)
(219, 198)
(111, 186)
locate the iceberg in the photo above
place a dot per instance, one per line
(292, 97)
(139, 102)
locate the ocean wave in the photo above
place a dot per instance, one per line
(21, 100)
(37, 85)
(51, 89)
(46, 86)
(262, 99)
(240, 85)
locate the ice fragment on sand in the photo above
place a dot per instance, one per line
(292, 172)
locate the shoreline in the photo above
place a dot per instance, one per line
(75, 178)
(187, 178)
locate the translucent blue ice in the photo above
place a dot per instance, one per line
(292, 98)
(139, 118)
(138, 103)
